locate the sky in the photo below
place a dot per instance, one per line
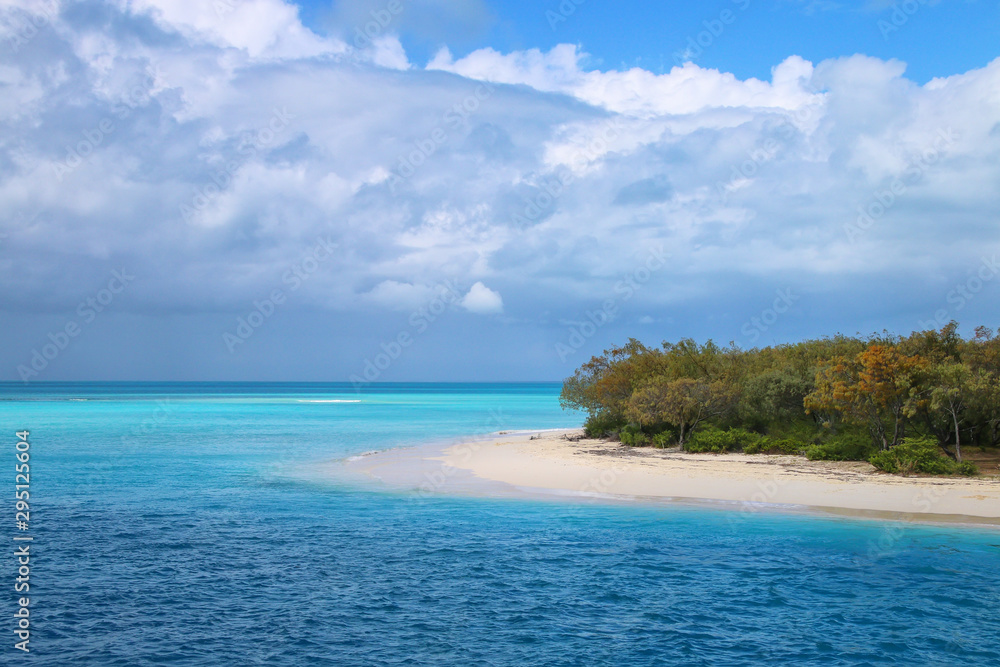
(464, 190)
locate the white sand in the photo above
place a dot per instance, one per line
(547, 462)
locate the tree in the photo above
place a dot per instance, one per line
(982, 355)
(605, 383)
(950, 391)
(875, 388)
(774, 395)
(683, 403)
(984, 406)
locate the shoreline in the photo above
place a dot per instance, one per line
(561, 464)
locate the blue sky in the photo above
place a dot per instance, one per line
(933, 38)
(242, 190)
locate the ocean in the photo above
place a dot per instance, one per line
(192, 524)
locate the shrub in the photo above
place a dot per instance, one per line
(885, 461)
(803, 432)
(716, 440)
(786, 446)
(914, 455)
(967, 468)
(767, 445)
(664, 439)
(842, 448)
(602, 426)
(633, 436)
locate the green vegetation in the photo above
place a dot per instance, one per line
(844, 447)
(919, 455)
(907, 405)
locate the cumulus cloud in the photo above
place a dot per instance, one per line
(636, 91)
(482, 300)
(263, 28)
(211, 154)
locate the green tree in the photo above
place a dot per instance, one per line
(683, 403)
(950, 389)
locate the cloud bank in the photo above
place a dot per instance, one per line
(208, 148)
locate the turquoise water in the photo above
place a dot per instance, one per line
(178, 524)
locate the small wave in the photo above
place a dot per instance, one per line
(332, 400)
(358, 457)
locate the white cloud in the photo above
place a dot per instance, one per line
(636, 92)
(424, 176)
(264, 28)
(482, 300)
(388, 52)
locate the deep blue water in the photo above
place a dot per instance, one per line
(174, 524)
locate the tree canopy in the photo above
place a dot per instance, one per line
(883, 389)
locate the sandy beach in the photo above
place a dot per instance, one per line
(564, 464)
